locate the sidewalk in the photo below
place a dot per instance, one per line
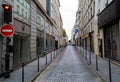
(103, 66)
(31, 69)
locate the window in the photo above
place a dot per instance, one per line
(26, 16)
(91, 12)
(18, 9)
(28, 7)
(21, 1)
(106, 4)
(22, 12)
(25, 4)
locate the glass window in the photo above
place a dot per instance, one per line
(18, 8)
(28, 6)
(21, 1)
(25, 4)
(22, 12)
(26, 16)
(91, 11)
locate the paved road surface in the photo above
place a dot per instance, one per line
(68, 67)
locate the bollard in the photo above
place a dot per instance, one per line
(83, 52)
(96, 63)
(38, 63)
(22, 72)
(110, 77)
(54, 54)
(46, 59)
(90, 57)
(86, 54)
(51, 56)
(58, 52)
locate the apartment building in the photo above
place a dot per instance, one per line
(56, 17)
(85, 22)
(34, 31)
(98, 22)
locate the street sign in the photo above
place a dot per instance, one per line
(76, 30)
(7, 30)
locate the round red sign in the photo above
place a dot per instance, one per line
(7, 30)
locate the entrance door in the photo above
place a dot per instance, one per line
(16, 53)
(112, 41)
(56, 44)
(107, 38)
(100, 48)
(21, 50)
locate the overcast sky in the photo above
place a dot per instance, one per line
(68, 12)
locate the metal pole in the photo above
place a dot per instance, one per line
(22, 72)
(1, 22)
(46, 59)
(54, 54)
(96, 63)
(83, 48)
(90, 50)
(90, 57)
(110, 76)
(7, 59)
(38, 63)
(86, 49)
(86, 52)
(0, 53)
(51, 56)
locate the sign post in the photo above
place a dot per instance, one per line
(7, 31)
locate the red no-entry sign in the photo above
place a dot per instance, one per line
(7, 30)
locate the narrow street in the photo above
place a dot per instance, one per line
(68, 67)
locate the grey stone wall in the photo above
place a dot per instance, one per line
(33, 29)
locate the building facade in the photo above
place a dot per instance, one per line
(86, 24)
(22, 26)
(35, 32)
(98, 22)
(57, 20)
(109, 27)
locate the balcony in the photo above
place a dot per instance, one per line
(110, 14)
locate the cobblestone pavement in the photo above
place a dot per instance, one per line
(68, 68)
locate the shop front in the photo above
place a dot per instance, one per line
(40, 42)
(108, 20)
(21, 43)
(87, 42)
(112, 41)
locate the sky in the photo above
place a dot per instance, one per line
(68, 10)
